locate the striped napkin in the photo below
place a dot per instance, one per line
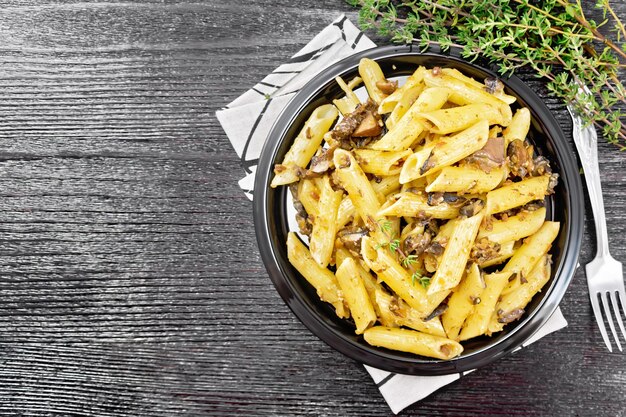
(247, 121)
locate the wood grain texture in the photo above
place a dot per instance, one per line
(129, 275)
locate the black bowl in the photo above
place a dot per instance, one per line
(271, 221)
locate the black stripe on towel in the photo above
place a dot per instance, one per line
(254, 126)
(385, 380)
(308, 55)
(287, 72)
(340, 26)
(356, 40)
(268, 84)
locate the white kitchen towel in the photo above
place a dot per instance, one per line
(247, 121)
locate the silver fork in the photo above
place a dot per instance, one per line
(604, 274)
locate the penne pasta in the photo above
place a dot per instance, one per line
(477, 322)
(356, 295)
(516, 194)
(527, 256)
(456, 254)
(515, 227)
(398, 313)
(505, 252)
(445, 151)
(394, 275)
(445, 121)
(511, 306)
(508, 99)
(463, 93)
(409, 127)
(462, 301)
(324, 230)
(353, 180)
(413, 83)
(415, 205)
(465, 179)
(370, 72)
(413, 342)
(382, 163)
(322, 279)
(305, 145)
(519, 126)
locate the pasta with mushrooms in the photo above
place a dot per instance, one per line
(420, 209)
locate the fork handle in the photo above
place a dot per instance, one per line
(588, 150)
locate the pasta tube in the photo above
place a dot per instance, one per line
(411, 85)
(354, 181)
(409, 204)
(394, 275)
(511, 306)
(322, 279)
(463, 93)
(409, 127)
(455, 255)
(515, 227)
(478, 321)
(445, 151)
(324, 224)
(472, 82)
(462, 302)
(446, 121)
(527, 256)
(388, 184)
(516, 194)
(518, 129)
(399, 313)
(370, 72)
(305, 145)
(466, 179)
(356, 295)
(381, 163)
(413, 342)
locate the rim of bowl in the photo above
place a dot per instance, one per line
(381, 358)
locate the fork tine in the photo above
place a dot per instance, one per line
(614, 297)
(598, 315)
(609, 317)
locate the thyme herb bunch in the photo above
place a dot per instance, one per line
(555, 38)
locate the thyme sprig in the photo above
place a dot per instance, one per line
(407, 261)
(555, 38)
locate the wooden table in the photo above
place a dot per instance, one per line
(131, 283)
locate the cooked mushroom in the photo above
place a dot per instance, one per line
(437, 198)
(429, 164)
(493, 85)
(472, 207)
(368, 127)
(302, 217)
(520, 162)
(416, 244)
(324, 161)
(490, 156)
(441, 308)
(351, 237)
(435, 248)
(386, 86)
(508, 317)
(344, 130)
(541, 166)
(434, 199)
(484, 250)
(553, 182)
